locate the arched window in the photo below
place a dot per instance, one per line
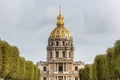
(50, 54)
(57, 43)
(57, 54)
(63, 54)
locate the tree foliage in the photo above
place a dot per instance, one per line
(105, 66)
(116, 58)
(14, 67)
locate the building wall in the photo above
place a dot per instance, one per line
(61, 67)
(52, 71)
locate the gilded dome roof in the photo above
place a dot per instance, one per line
(60, 31)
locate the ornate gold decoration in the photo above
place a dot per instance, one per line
(60, 22)
(60, 31)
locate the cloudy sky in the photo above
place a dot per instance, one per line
(94, 25)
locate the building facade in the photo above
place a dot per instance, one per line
(60, 63)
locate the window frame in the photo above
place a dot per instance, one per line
(57, 43)
(63, 43)
(60, 68)
(57, 54)
(76, 68)
(51, 54)
(52, 43)
(44, 69)
(63, 54)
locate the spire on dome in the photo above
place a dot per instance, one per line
(60, 22)
(60, 12)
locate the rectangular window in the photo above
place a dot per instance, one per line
(63, 54)
(60, 68)
(57, 54)
(50, 54)
(52, 43)
(76, 68)
(44, 68)
(63, 43)
(57, 43)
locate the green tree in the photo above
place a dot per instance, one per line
(88, 72)
(5, 68)
(14, 60)
(29, 70)
(116, 59)
(14, 67)
(101, 67)
(0, 58)
(20, 75)
(36, 73)
(8, 60)
(110, 55)
(94, 72)
(38, 78)
(82, 74)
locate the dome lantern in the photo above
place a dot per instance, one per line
(60, 31)
(60, 22)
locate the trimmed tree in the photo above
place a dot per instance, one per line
(116, 58)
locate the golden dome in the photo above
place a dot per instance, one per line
(60, 31)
